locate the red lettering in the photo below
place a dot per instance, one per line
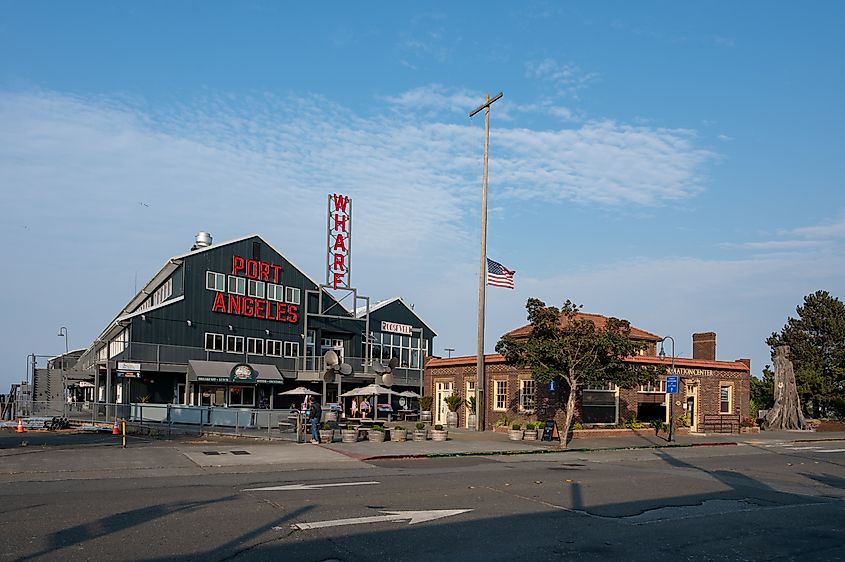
(339, 243)
(338, 279)
(340, 202)
(340, 222)
(219, 303)
(249, 306)
(280, 312)
(234, 304)
(264, 271)
(237, 264)
(293, 317)
(339, 264)
(276, 270)
(252, 269)
(259, 308)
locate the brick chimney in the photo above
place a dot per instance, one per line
(704, 346)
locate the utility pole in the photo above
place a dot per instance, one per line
(480, 377)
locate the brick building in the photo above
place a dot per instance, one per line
(710, 392)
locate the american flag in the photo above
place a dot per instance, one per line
(499, 275)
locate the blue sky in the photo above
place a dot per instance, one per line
(676, 164)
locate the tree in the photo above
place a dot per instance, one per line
(763, 391)
(563, 345)
(816, 340)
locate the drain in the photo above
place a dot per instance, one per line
(239, 452)
(210, 452)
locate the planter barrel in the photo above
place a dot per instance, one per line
(515, 434)
(441, 435)
(530, 435)
(471, 421)
(326, 435)
(420, 435)
(398, 435)
(349, 436)
(425, 416)
(452, 419)
(375, 436)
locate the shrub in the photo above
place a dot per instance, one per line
(399, 428)
(516, 425)
(425, 403)
(657, 425)
(747, 422)
(472, 404)
(325, 426)
(530, 426)
(683, 420)
(454, 402)
(503, 421)
(577, 425)
(632, 423)
(377, 428)
(438, 427)
(420, 426)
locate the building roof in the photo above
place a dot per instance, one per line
(680, 362)
(597, 319)
(361, 310)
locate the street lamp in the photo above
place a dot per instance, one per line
(671, 372)
(63, 333)
(449, 350)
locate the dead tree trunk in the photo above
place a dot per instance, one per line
(786, 412)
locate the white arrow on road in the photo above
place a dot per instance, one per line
(290, 487)
(412, 517)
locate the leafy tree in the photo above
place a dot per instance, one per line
(563, 345)
(816, 341)
(763, 391)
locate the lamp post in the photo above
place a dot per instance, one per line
(671, 396)
(63, 333)
(449, 350)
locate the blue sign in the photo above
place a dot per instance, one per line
(671, 385)
(552, 386)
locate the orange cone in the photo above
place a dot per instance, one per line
(20, 425)
(115, 430)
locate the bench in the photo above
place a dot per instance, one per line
(727, 423)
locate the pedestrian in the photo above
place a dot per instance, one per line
(315, 412)
(365, 408)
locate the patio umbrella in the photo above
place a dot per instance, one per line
(302, 391)
(370, 390)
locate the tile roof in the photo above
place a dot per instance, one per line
(598, 320)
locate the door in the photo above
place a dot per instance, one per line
(470, 393)
(692, 399)
(443, 390)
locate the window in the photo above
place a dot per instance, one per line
(235, 344)
(725, 398)
(659, 386)
(255, 288)
(242, 396)
(409, 350)
(275, 292)
(163, 293)
(291, 349)
(599, 404)
(610, 387)
(213, 342)
(527, 395)
(292, 295)
(237, 285)
(501, 397)
(255, 346)
(215, 281)
(274, 348)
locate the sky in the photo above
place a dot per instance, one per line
(678, 165)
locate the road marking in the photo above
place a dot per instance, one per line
(800, 448)
(307, 486)
(413, 517)
(830, 451)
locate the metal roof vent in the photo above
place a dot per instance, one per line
(203, 240)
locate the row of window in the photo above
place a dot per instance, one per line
(254, 346)
(164, 292)
(527, 395)
(252, 288)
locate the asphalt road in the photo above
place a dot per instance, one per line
(772, 501)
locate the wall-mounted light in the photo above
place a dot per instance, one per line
(188, 322)
(143, 317)
(230, 328)
(267, 332)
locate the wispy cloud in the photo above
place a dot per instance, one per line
(829, 229)
(567, 78)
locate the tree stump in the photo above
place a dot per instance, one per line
(786, 412)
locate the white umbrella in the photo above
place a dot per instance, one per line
(369, 390)
(409, 394)
(301, 391)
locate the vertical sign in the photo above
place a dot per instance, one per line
(671, 385)
(339, 229)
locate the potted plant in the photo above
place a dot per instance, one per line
(398, 434)
(502, 424)
(376, 434)
(453, 402)
(425, 408)
(472, 404)
(420, 433)
(515, 432)
(439, 433)
(349, 434)
(530, 433)
(326, 433)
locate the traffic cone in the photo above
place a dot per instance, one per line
(115, 430)
(20, 425)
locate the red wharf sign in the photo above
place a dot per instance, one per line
(339, 242)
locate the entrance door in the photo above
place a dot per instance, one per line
(443, 390)
(469, 394)
(692, 399)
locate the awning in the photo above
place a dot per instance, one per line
(235, 373)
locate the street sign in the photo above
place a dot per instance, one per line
(672, 385)
(125, 366)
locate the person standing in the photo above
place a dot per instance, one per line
(315, 412)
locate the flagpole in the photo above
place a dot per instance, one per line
(480, 378)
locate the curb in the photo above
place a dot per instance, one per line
(412, 456)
